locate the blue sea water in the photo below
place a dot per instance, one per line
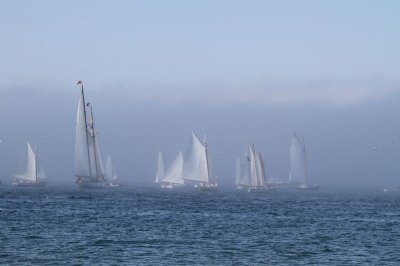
(132, 226)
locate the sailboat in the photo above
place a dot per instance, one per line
(111, 174)
(196, 166)
(298, 165)
(32, 174)
(160, 167)
(173, 177)
(250, 171)
(89, 168)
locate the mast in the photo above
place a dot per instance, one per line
(87, 137)
(94, 140)
(206, 152)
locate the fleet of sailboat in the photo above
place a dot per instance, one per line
(195, 168)
(31, 172)
(298, 165)
(250, 171)
(89, 168)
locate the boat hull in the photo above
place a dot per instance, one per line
(170, 186)
(261, 189)
(207, 187)
(29, 184)
(91, 185)
(87, 182)
(305, 187)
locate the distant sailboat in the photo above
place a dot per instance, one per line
(298, 165)
(89, 168)
(32, 173)
(250, 171)
(160, 167)
(196, 166)
(173, 177)
(111, 174)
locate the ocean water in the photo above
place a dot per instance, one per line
(132, 226)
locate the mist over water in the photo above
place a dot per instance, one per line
(339, 139)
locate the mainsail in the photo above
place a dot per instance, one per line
(110, 169)
(174, 173)
(298, 166)
(196, 165)
(82, 153)
(32, 170)
(88, 159)
(160, 167)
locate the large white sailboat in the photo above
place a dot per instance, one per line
(173, 176)
(250, 171)
(31, 173)
(197, 166)
(89, 168)
(298, 165)
(160, 168)
(111, 173)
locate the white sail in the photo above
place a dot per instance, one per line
(174, 173)
(245, 173)
(41, 174)
(265, 174)
(110, 173)
(298, 173)
(82, 160)
(253, 166)
(252, 169)
(160, 167)
(29, 172)
(89, 167)
(238, 171)
(99, 162)
(195, 167)
(32, 171)
(261, 178)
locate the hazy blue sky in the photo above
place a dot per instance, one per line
(243, 70)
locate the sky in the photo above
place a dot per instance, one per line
(243, 71)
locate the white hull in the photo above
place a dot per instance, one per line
(307, 187)
(171, 186)
(387, 190)
(28, 184)
(257, 189)
(207, 187)
(91, 184)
